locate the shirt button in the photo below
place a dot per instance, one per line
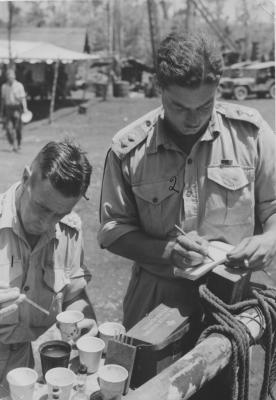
(26, 288)
(189, 161)
(155, 200)
(148, 123)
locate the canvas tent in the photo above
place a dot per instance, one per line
(40, 52)
(35, 52)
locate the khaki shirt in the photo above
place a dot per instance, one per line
(12, 94)
(150, 184)
(40, 273)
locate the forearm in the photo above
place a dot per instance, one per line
(24, 103)
(82, 303)
(269, 226)
(153, 254)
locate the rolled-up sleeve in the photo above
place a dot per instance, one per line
(118, 214)
(265, 182)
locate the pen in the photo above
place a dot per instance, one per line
(36, 305)
(185, 234)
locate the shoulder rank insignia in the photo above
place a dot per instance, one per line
(72, 220)
(135, 133)
(238, 112)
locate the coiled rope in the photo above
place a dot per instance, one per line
(227, 324)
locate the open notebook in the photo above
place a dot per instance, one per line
(217, 251)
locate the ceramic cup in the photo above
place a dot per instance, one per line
(69, 325)
(22, 383)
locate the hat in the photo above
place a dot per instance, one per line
(26, 116)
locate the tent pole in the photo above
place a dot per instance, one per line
(10, 10)
(54, 89)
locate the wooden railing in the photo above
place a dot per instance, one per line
(187, 375)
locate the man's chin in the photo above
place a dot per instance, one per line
(34, 232)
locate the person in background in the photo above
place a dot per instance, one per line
(41, 251)
(13, 103)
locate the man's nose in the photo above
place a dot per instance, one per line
(192, 117)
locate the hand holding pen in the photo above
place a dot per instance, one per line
(189, 250)
(10, 298)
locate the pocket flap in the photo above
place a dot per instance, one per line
(232, 178)
(155, 192)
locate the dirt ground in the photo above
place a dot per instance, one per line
(94, 131)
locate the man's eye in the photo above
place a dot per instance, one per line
(179, 108)
(205, 107)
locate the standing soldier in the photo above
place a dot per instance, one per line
(13, 103)
(203, 165)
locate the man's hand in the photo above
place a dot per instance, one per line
(256, 252)
(9, 299)
(189, 251)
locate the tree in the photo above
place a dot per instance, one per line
(36, 15)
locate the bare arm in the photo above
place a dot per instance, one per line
(158, 256)
(259, 250)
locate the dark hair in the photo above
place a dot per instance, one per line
(188, 60)
(66, 167)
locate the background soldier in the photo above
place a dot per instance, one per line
(13, 103)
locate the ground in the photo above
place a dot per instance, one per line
(94, 131)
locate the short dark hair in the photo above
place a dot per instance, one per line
(66, 167)
(188, 59)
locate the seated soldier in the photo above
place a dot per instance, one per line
(41, 250)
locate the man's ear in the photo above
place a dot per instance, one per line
(26, 175)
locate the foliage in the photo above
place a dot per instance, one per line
(131, 36)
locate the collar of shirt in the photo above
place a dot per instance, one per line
(160, 137)
(9, 217)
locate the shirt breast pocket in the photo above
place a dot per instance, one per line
(230, 195)
(53, 282)
(156, 202)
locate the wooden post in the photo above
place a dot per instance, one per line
(10, 9)
(154, 28)
(54, 89)
(189, 15)
(187, 375)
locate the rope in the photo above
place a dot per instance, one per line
(223, 316)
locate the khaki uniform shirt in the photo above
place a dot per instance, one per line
(13, 94)
(41, 273)
(150, 184)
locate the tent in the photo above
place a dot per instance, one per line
(41, 52)
(35, 52)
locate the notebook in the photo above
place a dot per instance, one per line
(217, 251)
